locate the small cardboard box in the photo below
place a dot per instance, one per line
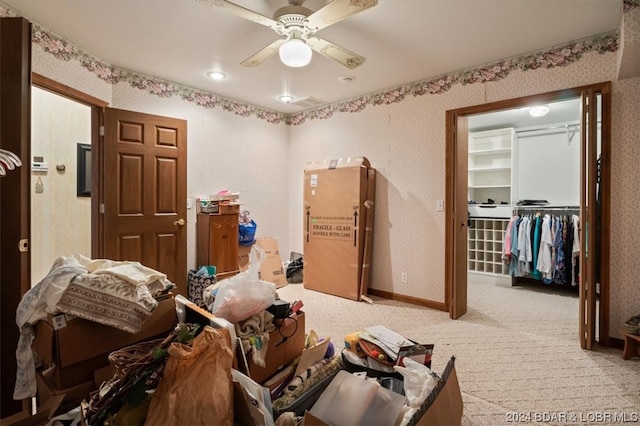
(271, 269)
(286, 343)
(78, 347)
(70, 397)
(339, 196)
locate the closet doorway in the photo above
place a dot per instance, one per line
(483, 175)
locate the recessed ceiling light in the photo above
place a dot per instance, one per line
(539, 111)
(217, 75)
(285, 98)
(346, 79)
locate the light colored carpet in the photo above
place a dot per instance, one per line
(516, 349)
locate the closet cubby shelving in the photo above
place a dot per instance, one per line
(489, 180)
(485, 245)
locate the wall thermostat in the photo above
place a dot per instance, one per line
(38, 164)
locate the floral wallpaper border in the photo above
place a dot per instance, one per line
(547, 58)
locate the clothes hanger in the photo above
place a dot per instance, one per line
(8, 161)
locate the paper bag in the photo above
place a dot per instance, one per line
(196, 388)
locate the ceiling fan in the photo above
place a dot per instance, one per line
(298, 25)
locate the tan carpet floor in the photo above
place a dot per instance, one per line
(516, 349)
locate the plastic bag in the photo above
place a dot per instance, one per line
(295, 271)
(244, 295)
(246, 229)
(196, 387)
(419, 381)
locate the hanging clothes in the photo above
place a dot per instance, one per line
(544, 256)
(524, 247)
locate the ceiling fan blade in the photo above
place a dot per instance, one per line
(264, 54)
(333, 51)
(245, 13)
(336, 11)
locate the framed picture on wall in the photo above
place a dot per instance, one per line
(84, 170)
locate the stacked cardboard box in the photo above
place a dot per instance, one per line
(73, 349)
(339, 197)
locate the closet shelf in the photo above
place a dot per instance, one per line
(490, 186)
(491, 151)
(490, 169)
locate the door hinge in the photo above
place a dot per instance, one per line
(102, 208)
(101, 130)
(23, 245)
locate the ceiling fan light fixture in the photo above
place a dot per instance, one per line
(539, 110)
(295, 53)
(217, 75)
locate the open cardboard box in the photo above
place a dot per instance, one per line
(443, 406)
(271, 269)
(77, 347)
(286, 343)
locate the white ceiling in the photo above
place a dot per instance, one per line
(403, 40)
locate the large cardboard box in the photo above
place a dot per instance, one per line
(339, 197)
(77, 347)
(271, 269)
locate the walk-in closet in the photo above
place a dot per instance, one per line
(524, 196)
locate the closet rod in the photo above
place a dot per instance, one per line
(558, 127)
(537, 129)
(518, 209)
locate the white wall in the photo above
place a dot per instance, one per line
(548, 167)
(60, 220)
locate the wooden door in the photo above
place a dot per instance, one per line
(145, 188)
(456, 215)
(588, 177)
(15, 200)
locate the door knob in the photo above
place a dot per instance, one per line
(179, 222)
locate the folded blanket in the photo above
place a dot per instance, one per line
(109, 300)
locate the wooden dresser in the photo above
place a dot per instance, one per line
(217, 243)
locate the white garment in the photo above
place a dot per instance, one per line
(544, 253)
(524, 247)
(133, 272)
(575, 249)
(34, 306)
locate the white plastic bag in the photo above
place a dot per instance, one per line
(419, 381)
(244, 295)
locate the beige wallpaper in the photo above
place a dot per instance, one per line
(57, 126)
(401, 132)
(625, 203)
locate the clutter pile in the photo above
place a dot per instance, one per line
(222, 202)
(121, 296)
(244, 356)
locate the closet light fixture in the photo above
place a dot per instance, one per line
(539, 111)
(217, 75)
(295, 53)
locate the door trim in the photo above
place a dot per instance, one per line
(453, 187)
(97, 120)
